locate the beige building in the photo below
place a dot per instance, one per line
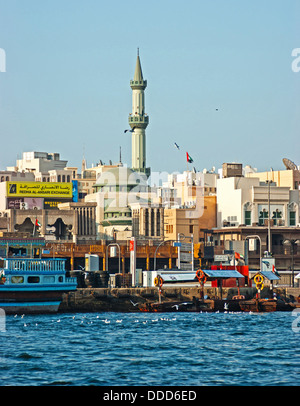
(190, 221)
(285, 178)
(73, 222)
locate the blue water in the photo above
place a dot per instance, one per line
(150, 349)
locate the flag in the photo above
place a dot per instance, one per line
(189, 158)
(37, 223)
(238, 256)
(274, 270)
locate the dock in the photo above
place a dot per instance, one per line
(129, 299)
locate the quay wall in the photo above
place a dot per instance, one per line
(128, 299)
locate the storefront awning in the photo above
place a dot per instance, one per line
(222, 273)
(270, 275)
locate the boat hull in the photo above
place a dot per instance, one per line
(258, 305)
(25, 302)
(30, 307)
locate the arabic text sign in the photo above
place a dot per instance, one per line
(39, 189)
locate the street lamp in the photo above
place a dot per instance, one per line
(292, 242)
(157, 250)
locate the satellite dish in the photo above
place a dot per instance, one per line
(289, 164)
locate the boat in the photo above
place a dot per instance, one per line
(33, 285)
(258, 305)
(28, 282)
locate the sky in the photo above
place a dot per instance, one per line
(219, 74)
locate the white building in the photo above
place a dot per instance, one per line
(41, 162)
(246, 201)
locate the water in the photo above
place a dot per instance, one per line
(151, 349)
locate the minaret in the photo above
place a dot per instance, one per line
(138, 120)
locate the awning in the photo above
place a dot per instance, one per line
(178, 276)
(223, 273)
(270, 275)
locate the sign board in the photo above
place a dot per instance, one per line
(221, 258)
(252, 244)
(267, 264)
(39, 189)
(51, 204)
(186, 255)
(132, 249)
(75, 190)
(113, 252)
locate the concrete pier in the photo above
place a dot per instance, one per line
(128, 299)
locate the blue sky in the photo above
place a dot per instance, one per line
(69, 63)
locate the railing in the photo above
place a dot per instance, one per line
(35, 264)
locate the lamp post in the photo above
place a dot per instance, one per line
(292, 242)
(156, 251)
(269, 217)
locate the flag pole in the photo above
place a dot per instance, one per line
(34, 227)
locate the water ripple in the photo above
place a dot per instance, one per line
(150, 349)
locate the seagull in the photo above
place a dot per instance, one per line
(176, 307)
(134, 304)
(176, 145)
(131, 131)
(225, 306)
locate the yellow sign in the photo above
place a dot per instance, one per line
(39, 189)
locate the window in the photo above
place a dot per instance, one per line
(17, 279)
(276, 216)
(169, 228)
(248, 218)
(191, 229)
(263, 215)
(292, 218)
(49, 279)
(33, 279)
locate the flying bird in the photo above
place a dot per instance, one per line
(131, 131)
(176, 145)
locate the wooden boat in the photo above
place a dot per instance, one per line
(258, 305)
(177, 306)
(33, 285)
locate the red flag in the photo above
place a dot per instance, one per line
(189, 158)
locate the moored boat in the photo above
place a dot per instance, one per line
(33, 285)
(258, 305)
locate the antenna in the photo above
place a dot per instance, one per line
(138, 51)
(290, 165)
